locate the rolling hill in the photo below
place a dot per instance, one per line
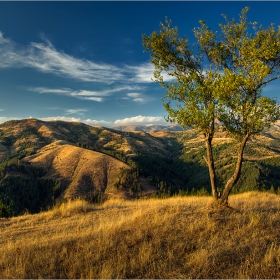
(52, 161)
(174, 238)
(81, 172)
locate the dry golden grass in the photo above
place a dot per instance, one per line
(83, 171)
(172, 238)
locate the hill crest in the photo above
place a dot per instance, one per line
(82, 172)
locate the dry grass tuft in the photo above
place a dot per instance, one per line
(170, 238)
(70, 208)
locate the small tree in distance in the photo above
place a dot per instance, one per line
(220, 81)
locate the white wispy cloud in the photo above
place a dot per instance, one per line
(69, 111)
(45, 58)
(92, 98)
(139, 97)
(2, 39)
(50, 90)
(144, 73)
(80, 94)
(106, 92)
(89, 95)
(75, 111)
(73, 119)
(139, 120)
(5, 119)
(133, 94)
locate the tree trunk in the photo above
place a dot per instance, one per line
(211, 167)
(233, 180)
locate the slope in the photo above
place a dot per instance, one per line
(175, 238)
(162, 163)
(82, 173)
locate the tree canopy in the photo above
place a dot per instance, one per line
(218, 81)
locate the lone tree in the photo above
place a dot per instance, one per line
(219, 81)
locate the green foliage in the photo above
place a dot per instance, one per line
(22, 188)
(24, 194)
(192, 90)
(242, 59)
(249, 57)
(128, 179)
(7, 141)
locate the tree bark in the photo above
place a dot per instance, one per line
(211, 167)
(233, 180)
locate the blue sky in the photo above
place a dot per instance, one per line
(84, 61)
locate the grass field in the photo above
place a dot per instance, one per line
(171, 238)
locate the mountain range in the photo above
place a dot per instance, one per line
(48, 162)
(149, 128)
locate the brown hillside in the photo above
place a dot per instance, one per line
(32, 134)
(81, 172)
(148, 128)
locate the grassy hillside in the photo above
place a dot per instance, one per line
(32, 144)
(171, 238)
(158, 164)
(31, 135)
(82, 172)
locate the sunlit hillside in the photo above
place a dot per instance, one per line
(43, 163)
(172, 238)
(81, 172)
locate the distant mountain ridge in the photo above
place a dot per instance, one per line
(148, 128)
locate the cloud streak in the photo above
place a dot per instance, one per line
(2, 39)
(97, 96)
(73, 119)
(45, 58)
(144, 73)
(75, 111)
(65, 91)
(140, 98)
(139, 120)
(80, 94)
